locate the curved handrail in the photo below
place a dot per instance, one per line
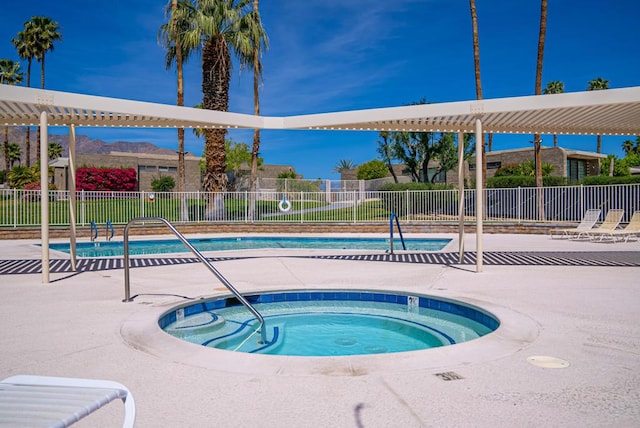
(110, 229)
(94, 227)
(198, 254)
(391, 217)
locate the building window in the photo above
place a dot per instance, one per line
(576, 170)
(147, 168)
(167, 169)
(440, 177)
(490, 165)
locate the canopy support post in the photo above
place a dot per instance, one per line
(461, 196)
(44, 195)
(479, 194)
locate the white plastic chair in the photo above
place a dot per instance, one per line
(588, 221)
(43, 401)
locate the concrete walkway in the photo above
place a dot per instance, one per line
(77, 326)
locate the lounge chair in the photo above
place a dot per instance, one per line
(632, 229)
(610, 223)
(588, 221)
(45, 401)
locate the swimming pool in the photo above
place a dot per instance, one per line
(164, 246)
(329, 323)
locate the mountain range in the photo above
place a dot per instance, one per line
(84, 144)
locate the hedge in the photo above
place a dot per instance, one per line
(511, 181)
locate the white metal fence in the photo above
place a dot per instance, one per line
(21, 208)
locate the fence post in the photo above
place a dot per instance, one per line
(301, 207)
(582, 200)
(406, 206)
(519, 204)
(246, 206)
(142, 203)
(15, 207)
(355, 206)
(83, 208)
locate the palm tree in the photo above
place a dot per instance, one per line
(170, 38)
(25, 45)
(538, 90)
(54, 150)
(44, 32)
(344, 164)
(554, 87)
(220, 28)
(14, 153)
(260, 44)
(476, 66)
(10, 74)
(598, 84)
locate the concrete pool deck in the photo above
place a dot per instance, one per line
(77, 326)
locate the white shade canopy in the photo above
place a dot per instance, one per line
(605, 112)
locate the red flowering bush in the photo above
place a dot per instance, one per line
(36, 186)
(118, 179)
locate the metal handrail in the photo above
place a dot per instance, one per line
(198, 254)
(391, 217)
(110, 231)
(94, 227)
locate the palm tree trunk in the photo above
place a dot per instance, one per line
(599, 146)
(253, 177)
(28, 139)
(6, 149)
(184, 214)
(216, 75)
(538, 91)
(38, 154)
(476, 66)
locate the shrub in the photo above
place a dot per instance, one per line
(414, 185)
(372, 170)
(36, 186)
(414, 201)
(601, 180)
(163, 184)
(510, 181)
(117, 179)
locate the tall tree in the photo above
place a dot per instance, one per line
(345, 164)
(14, 153)
(10, 74)
(385, 151)
(476, 66)
(25, 45)
(44, 32)
(260, 43)
(538, 91)
(598, 84)
(220, 28)
(554, 87)
(54, 150)
(170, 38)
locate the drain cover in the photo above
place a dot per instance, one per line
(548, 362)
(449, 376)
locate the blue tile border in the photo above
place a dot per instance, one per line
(443, 305)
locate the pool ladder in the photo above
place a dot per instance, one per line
(94, 231)
(198, 254)
(391, 217)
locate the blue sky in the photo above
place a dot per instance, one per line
(331, 55)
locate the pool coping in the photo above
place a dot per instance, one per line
(141, 331)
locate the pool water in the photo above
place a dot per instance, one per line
(330, 323)
(164, 246)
